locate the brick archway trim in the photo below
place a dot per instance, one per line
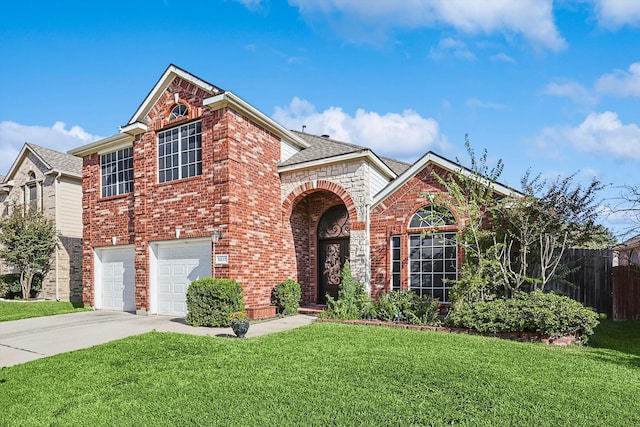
(318, 185)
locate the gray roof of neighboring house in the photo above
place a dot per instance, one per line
(61, 162)
(323, 147)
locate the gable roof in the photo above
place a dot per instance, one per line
(163, 83)
(431, 157)
(631, 243)
(218, 98)
(54, 161)
(323, 150)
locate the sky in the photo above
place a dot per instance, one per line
(547, 86)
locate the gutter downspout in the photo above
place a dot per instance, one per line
(55, 195)
(367, 243)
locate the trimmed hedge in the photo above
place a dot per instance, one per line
(547, 314)
(286, 297)
(210, 302)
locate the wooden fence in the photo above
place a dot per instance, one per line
(626, 292)
(591, 279)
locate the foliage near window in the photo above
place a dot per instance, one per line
(404, 307)
(27, 242)
(352, 297)
(116, 172)
(180, 152)
(548, 314)
(211, 302)
(286, 297)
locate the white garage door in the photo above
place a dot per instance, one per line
(178, 266)
(118, 280)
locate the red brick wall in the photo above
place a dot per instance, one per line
(392, 217)
(238, 191)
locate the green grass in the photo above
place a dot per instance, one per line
(14, 310)
(330, 374)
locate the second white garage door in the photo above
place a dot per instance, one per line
(118, 274)
(178, 266)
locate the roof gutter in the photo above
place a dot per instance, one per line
(228, 99)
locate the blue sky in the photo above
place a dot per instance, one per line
(551, 86)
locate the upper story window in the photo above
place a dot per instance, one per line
(432, 216)
(178, 112)
(116, 172)
(180, 152)
(30, 190)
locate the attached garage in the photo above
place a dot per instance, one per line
(115, 277)
(177, 264)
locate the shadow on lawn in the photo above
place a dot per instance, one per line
(620, 336)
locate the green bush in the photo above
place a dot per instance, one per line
(547, 314)
(405, 307)
(286, 297)
(210, 302)
(10, 286)
(352, 298)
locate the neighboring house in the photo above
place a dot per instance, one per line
(50, 182)
(627, 252)
(195, 159)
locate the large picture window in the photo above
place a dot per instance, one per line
(432, 257)
(116, 172)
(433, 264)
(180, 152)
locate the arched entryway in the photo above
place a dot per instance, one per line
(334, 230)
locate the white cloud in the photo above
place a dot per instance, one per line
(57, 137)
(617, 13)
(503, 57)
(362, 20)
(403, 136)
(449, 45)
(621, 82)
(572, 90)
(598, 133)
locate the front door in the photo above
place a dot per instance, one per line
(333, 250)
(333, 254)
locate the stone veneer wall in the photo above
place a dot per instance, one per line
(353, 177)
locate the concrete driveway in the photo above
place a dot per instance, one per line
(29, 339)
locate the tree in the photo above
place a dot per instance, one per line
(27, 242)
(533, 230)
(471, 193)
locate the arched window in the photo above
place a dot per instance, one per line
(432, 216)
(433, 253)
(178, 112)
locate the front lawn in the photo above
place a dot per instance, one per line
(326, 374)
(14, 310)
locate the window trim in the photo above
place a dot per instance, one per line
(121, 187)
(181, 151)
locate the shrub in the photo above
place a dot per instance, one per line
(405, 307)
(352, 298)
(286, 297)
(10, 286)
(210, 302)
(547, 314)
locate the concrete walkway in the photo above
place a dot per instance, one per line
(29, 339)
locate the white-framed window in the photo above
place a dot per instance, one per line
(180, 152)
(432, 253)
(396, 263)
(178, 112)
(31, 192)
(433, 264)
(116, 172)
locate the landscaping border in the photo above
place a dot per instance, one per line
(513, 336)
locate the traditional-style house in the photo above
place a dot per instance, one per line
(199, 182)
(51, 182)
